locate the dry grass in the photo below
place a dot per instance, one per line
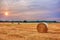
(28, 31)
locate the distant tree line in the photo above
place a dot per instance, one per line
(25, 21)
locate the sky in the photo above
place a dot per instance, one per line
(30, 10)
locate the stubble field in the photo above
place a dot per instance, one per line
(28, 31)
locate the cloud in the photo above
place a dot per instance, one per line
(31, 9)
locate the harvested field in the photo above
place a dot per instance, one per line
(28, 31)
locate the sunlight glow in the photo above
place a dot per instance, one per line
(6, 13)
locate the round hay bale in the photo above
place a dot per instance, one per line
(42, 27)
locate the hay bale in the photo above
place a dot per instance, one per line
(42, 28)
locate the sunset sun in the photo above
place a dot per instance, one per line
(6, 13)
